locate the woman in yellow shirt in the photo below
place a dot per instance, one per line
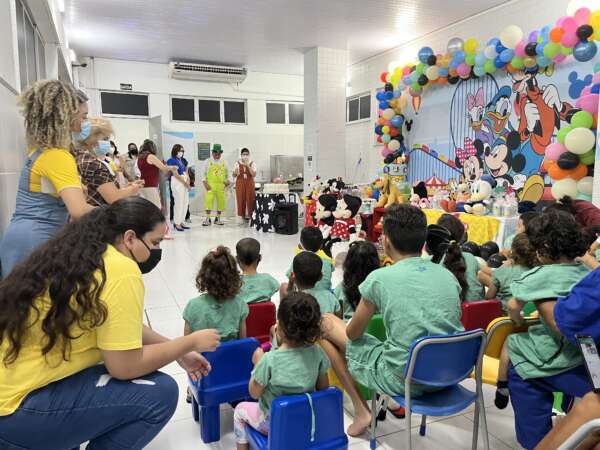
(49, 187)
(77, 362)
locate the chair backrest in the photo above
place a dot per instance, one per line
(261, 318)
(580, 435)
(479, 314)
(497, 332)
(292, 421)
(444, 360)
(231, 363)
(376, 327)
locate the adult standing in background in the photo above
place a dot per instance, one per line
(216, 179)
(244, 173)
(180, 188)
(131, 169)
(49, 188)
(150, 167)
(119, 162)
(96, 174)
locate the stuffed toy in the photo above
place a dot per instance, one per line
(481, 191)
(316, 186)
(326, 205)
(344, 229)
(415, 199)
(334, 186)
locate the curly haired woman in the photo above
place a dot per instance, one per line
(49, 188)
(77, 362)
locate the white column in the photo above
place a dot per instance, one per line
(51, 54)
(324, 113)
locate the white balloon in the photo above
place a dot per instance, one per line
(432, 72)
(388, 114)
(490, 52)
(580, 140)
(586, 185)
(511, 36)
(564, 187)
(394, 145)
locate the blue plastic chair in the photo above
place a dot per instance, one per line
(291, 423)
(442, 362)
(227, 382)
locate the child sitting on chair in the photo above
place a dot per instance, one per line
(311, 240)
(416, 298)
(298, 366)
(256, 287)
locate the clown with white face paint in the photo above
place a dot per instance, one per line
(216, 179)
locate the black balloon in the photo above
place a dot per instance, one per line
(568, 161)
(389, 87)
(432, 59)
(453, 80)
(496, 260)
(488, 249)
(471, 247)
(530, 49)
(584, 32)
(422, 80)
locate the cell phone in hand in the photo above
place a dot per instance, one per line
(591, 359)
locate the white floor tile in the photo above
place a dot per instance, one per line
(163, 313)
(171, 328)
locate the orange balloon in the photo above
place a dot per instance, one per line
(544, 166)
(453, 72)
(595, 124)
(442, 80)
(578, 172)
(510, 68)
(556, 34)
(381, 121)
(556, 173)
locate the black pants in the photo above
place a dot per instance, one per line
(172, 205)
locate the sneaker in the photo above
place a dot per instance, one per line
(178, 228)
(206, 222)
(218, 221)
(184, 227)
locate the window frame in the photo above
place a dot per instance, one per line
(183, 97)
(286, 111)
(124, 116)
(234, 100)
(358, 97)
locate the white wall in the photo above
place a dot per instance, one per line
(364, 76)
(261, 138)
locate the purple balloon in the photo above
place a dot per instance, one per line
(533, 36)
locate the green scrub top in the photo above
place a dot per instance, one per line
(205, 312)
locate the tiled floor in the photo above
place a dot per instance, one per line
(172, 284)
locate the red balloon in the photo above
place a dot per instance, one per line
(379, 140)
(394, 132)
(383, 77)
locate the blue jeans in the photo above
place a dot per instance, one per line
(532, 401)
(91, 406)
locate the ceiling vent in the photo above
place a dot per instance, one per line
(206, 72)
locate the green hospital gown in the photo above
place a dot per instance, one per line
(205, 312)
(541, 352)
(289, 371)
(326, 271)
(327, 301)
(259, 287)
(416, 298)
(347, 309)
(475, 291)
(503, 278)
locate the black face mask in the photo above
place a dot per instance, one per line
(152, 261)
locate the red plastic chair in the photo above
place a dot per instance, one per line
(479, 314)
(260, 320)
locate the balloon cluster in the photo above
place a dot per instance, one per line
(391, 119)
(511, 51)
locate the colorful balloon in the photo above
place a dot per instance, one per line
(588, 158)
(517, 63)
(551, 49)
(580, 140)
(520, 49)
(588, 103)
(562, 133)
(455, 45)
(554, 150)
(584, 51)
(387, 115)
(432, 72)
(582, 119)
(563, 188)
(424, 54)
(556, 34)
(510, 36)
(490, 52)
(586, 185)
(471, 45)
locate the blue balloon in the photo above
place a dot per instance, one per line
(542, 61)
(500, 48)
(539, 49)
(406, 80)
(507, 55)
(499, 63)
(546, 31)
(443, 72)
(380, 96)
(389, 95)
(460, 56)
(479, 71)
(397, 93)
(453, 64)
(595, 89)
(383, 105)
(425, 53)
(480, 59)
(584, 51)
(493, 41)
(379, 130)
(433, 153)
(397, 121)
(386, 138)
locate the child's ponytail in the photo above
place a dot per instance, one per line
(455, 263)
(444, 249)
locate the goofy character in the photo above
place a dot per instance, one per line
(540, 112)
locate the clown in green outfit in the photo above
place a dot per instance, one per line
(215, 181)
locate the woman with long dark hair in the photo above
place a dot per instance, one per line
(180, 187)
(77, 362)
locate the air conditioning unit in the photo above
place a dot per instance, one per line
(206, 72)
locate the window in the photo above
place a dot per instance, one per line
(358, 107)
(276, 113)
(32, 61)
(121, 104)
(209, 111)
(296, 113)
(183, 109)
(235, 112)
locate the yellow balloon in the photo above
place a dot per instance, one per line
(386, 130)
(398, 71)
(470, 45)
(595, 19)
(396, 78)
(529, 61)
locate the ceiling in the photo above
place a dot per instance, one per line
(263, 35)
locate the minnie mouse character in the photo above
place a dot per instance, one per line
(344, 226)
(469, 160)
(326, 205)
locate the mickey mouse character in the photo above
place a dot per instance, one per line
(326, 205)
(344, 227)
(500, 157)
(334, 186)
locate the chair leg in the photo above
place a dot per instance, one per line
(476, 425)
(423, 426)
(210, 424)
(373, 442)
(408, 429)
(486, 438)
(195, 409)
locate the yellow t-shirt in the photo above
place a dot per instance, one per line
(54, 170)
(123, 295)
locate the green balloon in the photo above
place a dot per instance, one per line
(551, 49)
(566, 50)
(470, 59)
(416, 87)
(588, 158)
(562, 134)
(597, 67)
(517, 63)
(420, 68)
(585, 197)
(489, 67)
(582, 119)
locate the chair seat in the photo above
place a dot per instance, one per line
(221, 394)
(256, 440)
(489, 373)
(450, 400)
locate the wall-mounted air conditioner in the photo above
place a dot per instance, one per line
(206, 72)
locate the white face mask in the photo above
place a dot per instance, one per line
(180, 155)
(245, 158)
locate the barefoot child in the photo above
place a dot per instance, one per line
(256, 287)
(298, 366)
